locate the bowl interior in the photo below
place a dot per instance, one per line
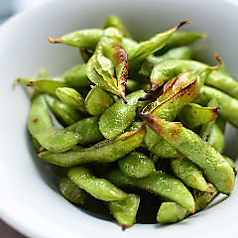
(30, 200)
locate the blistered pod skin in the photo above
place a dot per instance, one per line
(159, 183)
(99, 188)
(106, 152)
(87, 38)
(169, 108)
(119, 115)
(214, 166)
(136, 165)
(124, 211)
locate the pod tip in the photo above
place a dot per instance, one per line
(54, 41)
(182, 23)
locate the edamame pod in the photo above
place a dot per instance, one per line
(105, 152)
(87, 130)
(87, 38)
(114, 21)
(72, 97)
(71, 191)
(47, 85)
(99, 188)
(41, 127)
(120, 115)
(164, 150)
(146, 48)
(159, 183)
(178, 53)
(189, 173)
(124, 211)
(182, 38)
(169, 108)
(170, 212)
(194, 115)
(77, 76)
(97, 101)
(64, 113)
(171, 68)
(136, 165)
(215, 168)
(228, 105)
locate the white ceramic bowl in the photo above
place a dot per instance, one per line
(29, 200)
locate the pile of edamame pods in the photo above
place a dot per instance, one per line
(137, 120)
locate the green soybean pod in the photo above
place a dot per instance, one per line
(87, 38)
(43, 85)
(230, 161)
(179, 53)
(159, 183)
(64, 113)
(124, 211)
(136, 165)
(114, 21)
(99, 188)
(228, 105)
(146, 48)
(40, 126)
(72, 97)
(189, 173)
(171, 212)
(194, 115)
(164, 150)
(105, 152)
(182, 38)
(216, 138)
(214, 166)
(97, 101)
(135, 125)
(168, 108)
(71, 191)
(77, 76)
(119, 115)
(87, 130)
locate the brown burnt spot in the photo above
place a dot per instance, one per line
(151, 95)
(124, 226)
(40, 149)
(31, 84)
(215, 112)
(155, 123)
(175, 132)
(181, 24)
(35, 120)
(120, 57)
